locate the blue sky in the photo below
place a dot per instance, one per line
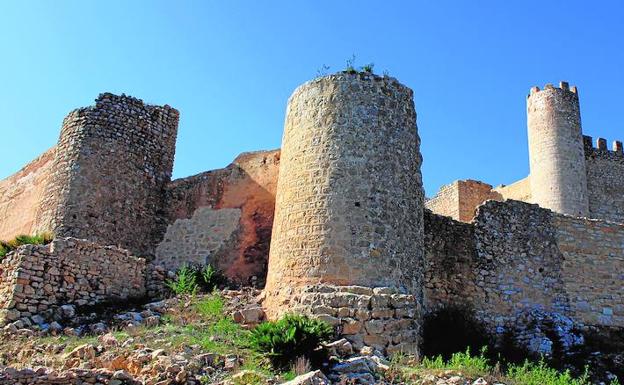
(229, 67)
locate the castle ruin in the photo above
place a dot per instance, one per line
(335, 223)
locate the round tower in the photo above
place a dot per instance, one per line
(557, 161)
(349, 204)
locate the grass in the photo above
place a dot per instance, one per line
(37, 239)
(528, 373)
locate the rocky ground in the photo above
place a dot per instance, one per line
(188, 340)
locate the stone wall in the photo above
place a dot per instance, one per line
(382, 317)
(20, 195)
(206, 238)
(528, 271)
(605, 180)
(519, 264)
(36, 280)
(112, 164)
(593, 269)
(459, 200)
(450, 262)
(246, 186)
(446, 201)
(518, 191)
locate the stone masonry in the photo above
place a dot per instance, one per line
(349, 198)
(113, 162)
(37, 280)
(350, 241)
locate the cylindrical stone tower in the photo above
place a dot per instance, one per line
(349, 204)
(557, 161)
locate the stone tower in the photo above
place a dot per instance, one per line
(349, 204)
(113, 161)
(557, 161)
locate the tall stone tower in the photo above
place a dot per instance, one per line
(557, 161)
(113, 161)
(349, 204)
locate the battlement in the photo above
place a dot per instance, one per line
(564, 86)
(601, 145)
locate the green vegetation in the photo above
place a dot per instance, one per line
(37, 239)
(289, 338)
(527, 373)
(368, 68)
(185, 281)
(191, 279)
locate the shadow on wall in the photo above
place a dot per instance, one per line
(224, 217)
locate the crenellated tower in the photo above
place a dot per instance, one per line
(558, 174)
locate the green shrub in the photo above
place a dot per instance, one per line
(209, 278)
(293, 336)
(37, 239)
(185, 281)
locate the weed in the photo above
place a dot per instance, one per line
(185, 281)
(351, 65)
(368, 68)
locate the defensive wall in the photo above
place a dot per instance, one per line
(350, 240)
(515, 259)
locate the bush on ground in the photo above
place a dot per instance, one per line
(290, 338)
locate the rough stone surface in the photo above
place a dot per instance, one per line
(382, 317)
(37, 280)
(349, 198)
(113, 162)
(247, 185)
(200, 240)
(20, 195)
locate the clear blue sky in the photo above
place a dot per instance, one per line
(229, 67)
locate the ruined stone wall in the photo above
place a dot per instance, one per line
(605, 179)
(459, 200)
(36, 280)
(20, 195)
(112, 164)
(349, 199)
(558, 175)
(224, 217)
(450, 263)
